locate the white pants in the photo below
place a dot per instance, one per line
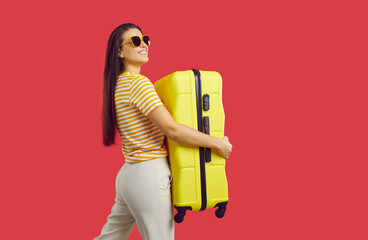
(143, 197)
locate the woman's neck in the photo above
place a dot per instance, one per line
(131, 68)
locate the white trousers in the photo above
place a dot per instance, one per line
(143, 198)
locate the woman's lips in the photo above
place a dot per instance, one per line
(143, 52)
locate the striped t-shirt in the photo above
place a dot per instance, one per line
(135, 98)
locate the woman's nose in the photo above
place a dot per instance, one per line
(143, 44)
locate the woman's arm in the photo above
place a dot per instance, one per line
(186, 135)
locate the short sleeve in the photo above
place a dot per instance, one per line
(143, 95)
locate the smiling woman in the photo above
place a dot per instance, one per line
(133, 51)
(132, 106)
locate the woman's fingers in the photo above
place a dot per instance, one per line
(228, 147)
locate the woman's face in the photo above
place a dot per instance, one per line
(131, 55)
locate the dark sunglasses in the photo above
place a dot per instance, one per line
(136, 41)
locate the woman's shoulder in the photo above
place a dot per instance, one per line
(133, 76)
(127, 75)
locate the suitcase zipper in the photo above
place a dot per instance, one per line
(200, 128)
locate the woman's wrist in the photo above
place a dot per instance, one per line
(216, 142)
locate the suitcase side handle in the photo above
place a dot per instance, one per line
(206, 122)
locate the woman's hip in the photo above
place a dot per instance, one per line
(147, 178)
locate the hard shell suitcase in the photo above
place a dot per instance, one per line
(194, 98)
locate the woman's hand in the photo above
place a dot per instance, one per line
(224, 147)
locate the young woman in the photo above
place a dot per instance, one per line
(131, 104)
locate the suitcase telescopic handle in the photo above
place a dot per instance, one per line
(206, 122)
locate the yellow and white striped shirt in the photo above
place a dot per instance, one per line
(135, 98)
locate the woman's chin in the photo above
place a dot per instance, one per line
(145, 60)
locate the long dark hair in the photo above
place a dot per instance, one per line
(114, 66)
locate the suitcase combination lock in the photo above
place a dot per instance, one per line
(206, 102)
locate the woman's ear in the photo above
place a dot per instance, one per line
(120, 54)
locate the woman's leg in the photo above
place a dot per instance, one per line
(120, 223)
(149, 198)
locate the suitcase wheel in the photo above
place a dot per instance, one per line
(220, 212)
(179, 216)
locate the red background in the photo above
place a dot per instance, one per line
(294, 93)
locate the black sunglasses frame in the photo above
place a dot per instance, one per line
(137, 41)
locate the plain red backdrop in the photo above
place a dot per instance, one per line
(294, 93)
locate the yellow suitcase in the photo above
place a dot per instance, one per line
(194, 98)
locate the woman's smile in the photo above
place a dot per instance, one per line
(143, 52)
